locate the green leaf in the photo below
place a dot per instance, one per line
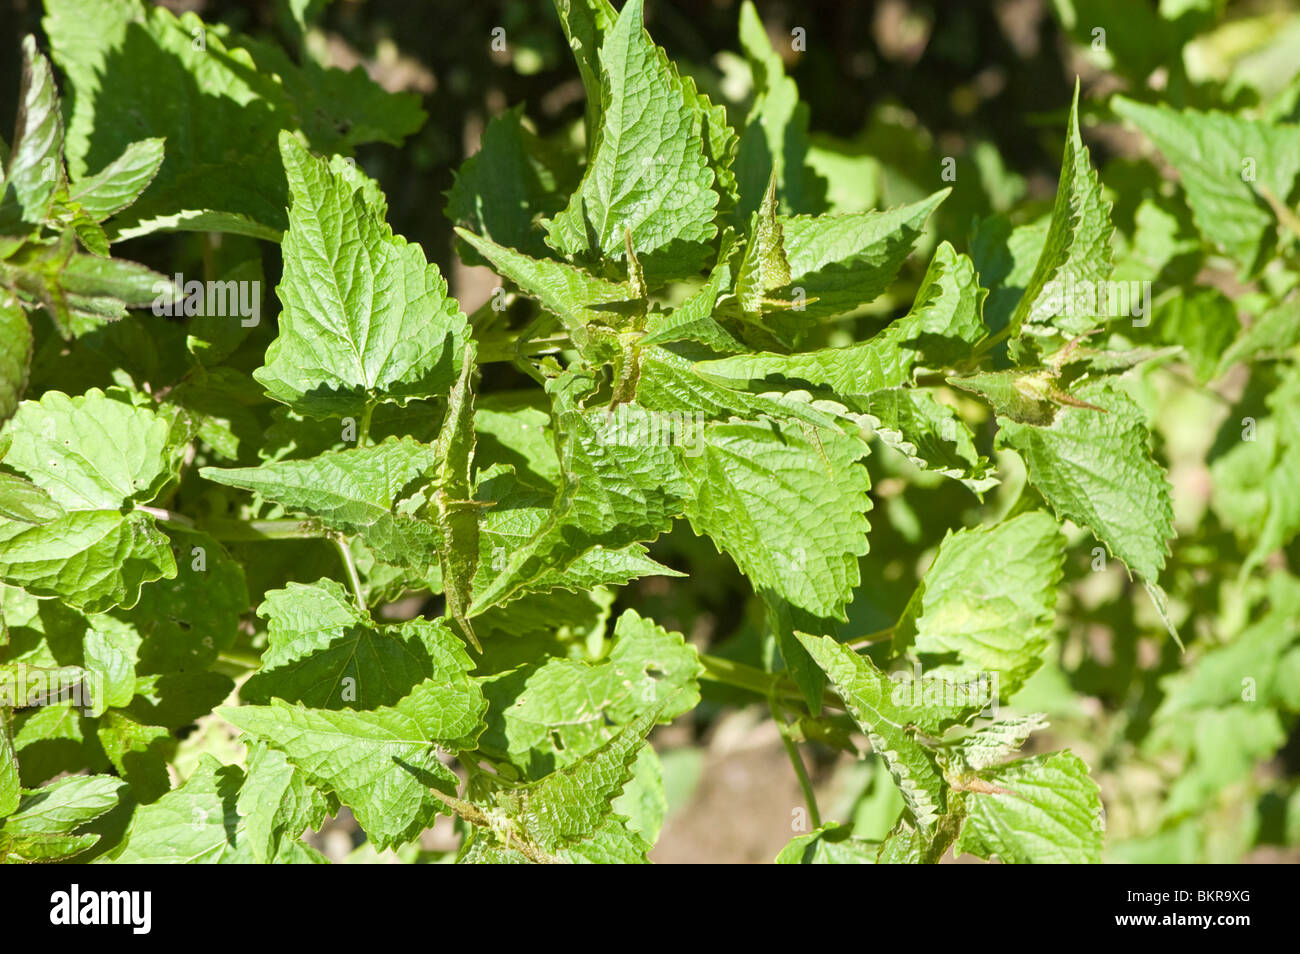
(370, 491)
(578, 299)
(379, 763)
(42, 828)
(505, 529)
(276, 803)
(82, 292)
(891, 713)
(990, 744)
(137, 71)
(1024, 396)
(586, 23)
(774, 143)
(693, 319)
(23, 500)
(942, 322)
(1044, 810)
(10, 783)
(1226, 164)
(1076, 250)
(195, 824)
(325, 653)
(138, 753)
(832, 844)
(570, 804)
(95, 456)
(93, 452)
(764, 267)
(612, 844)
(111, 650)
(34, 171)
(514, 180)
(562, 709)
(456, 513)
(617, 489)
(185, 622)
(788, 504)
(846, 261)
(989, 599)
(118, 184)
(1094, 468)
(15, 354)
(930, 434)
(366, 319)
(648, 172)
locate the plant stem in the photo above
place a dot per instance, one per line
(741, 676)
(167, 516)
(235, 531)
(241, 531)
(238, 657)
(363, 429)
(879, 636)
(350, 565)
(796, 760)
(766, 684)
(509, 350)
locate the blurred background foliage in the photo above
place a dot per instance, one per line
(1190, 769)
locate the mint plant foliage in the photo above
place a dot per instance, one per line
(254, 575)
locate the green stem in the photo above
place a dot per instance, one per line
(350, 565)
(236, 531)
(239, 657)
(739, 675)
(509, 350)
(244, 531)
(796, 760)
(167, 516)
(879, 636)
(987, 345)
(363, 429)
(766, 684)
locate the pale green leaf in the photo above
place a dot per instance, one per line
(617, 490)
(1047, 810)
(1076, 250)
(374, 492)
(891, 712)
(648, 173)
(35, 168)
(570, 804)
(788, 504)
(989, 599)
(119, 183)
(1095, 468)
(366, 319)
(276, 803)
(195, 824)
(562, 709)
(93, 455)
(1225, 163)
(15, 354)
(325, 653)
(832, 844)
(379, 763)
